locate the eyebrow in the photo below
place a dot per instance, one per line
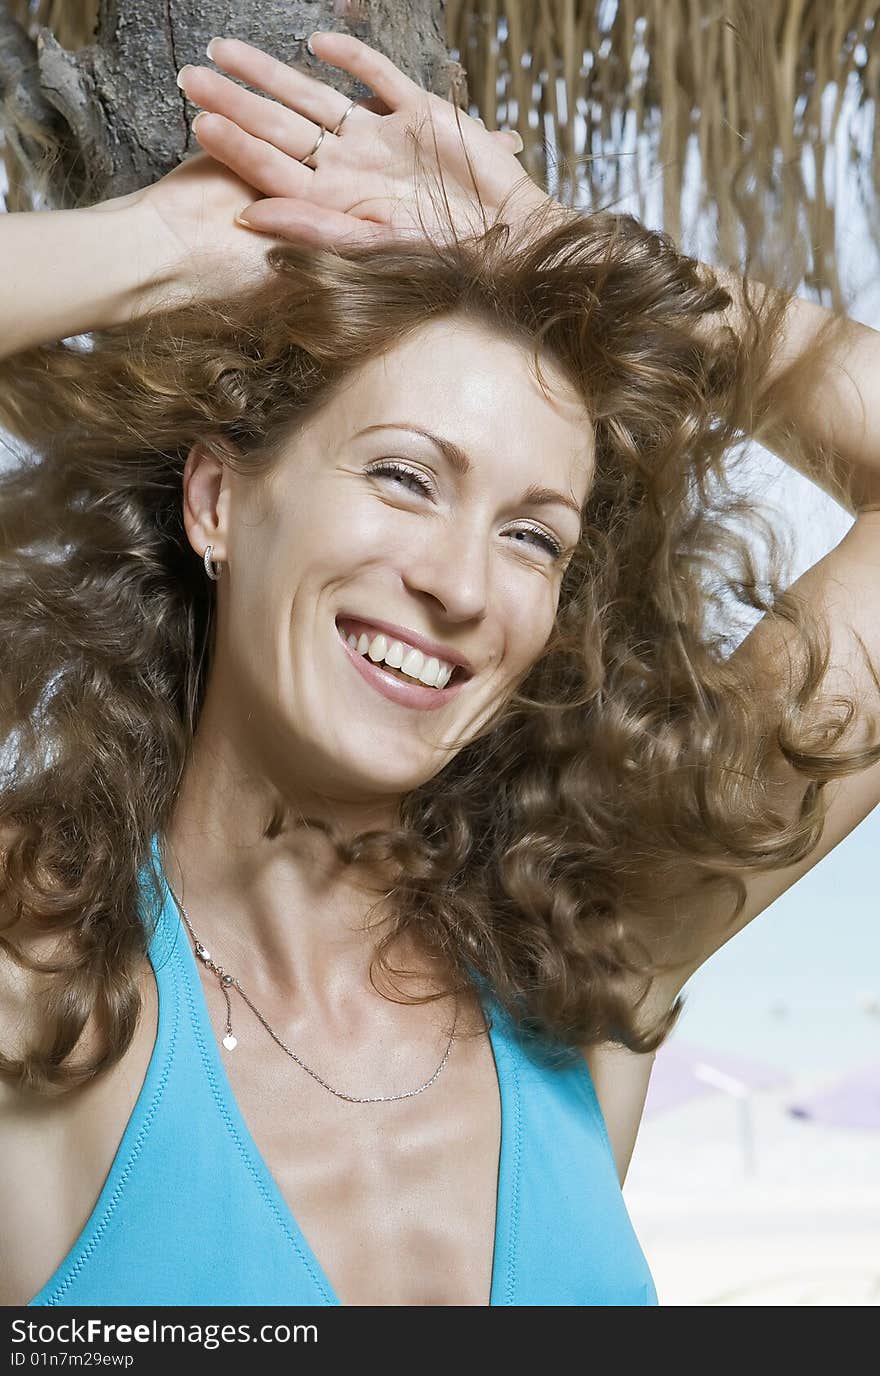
(459, 461)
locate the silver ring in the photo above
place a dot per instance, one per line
(208, 562)
(305, 160)
(344, 117)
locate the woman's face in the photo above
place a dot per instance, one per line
(370, 522)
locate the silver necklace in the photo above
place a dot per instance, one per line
(230, 1041)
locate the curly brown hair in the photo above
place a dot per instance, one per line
(627, 768)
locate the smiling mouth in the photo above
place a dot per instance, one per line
(458, 676)
(401, 689)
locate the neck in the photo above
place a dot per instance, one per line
(281, 910)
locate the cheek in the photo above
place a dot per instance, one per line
(529, 653)
(342, 526)
(318, 535)
(528, 621)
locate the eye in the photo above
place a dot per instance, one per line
(543, 538)
(408, 477)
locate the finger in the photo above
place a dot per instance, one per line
(510, 135)
(288, 131)
(305, 222)
(305, 94)
(373, 68)
(256, 162)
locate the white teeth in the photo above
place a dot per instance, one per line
(378, 648)
(425, 669)
(430, 672)
(412, 663)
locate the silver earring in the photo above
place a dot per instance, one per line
(208, 563)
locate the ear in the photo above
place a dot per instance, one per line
(207, 494)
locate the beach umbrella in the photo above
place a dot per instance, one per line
(682, 1073)
(851, 1102)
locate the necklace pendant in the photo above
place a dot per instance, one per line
(230, 1041)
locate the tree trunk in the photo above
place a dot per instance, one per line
(113, 110)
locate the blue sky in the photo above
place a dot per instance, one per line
(791, 987)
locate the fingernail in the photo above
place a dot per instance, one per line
(181, 75)
(200, 115)
(209, 47)
(242, 219)
(309, 46)
(515, 134)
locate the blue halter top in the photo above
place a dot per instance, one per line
(156, 1237)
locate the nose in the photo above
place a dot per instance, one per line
(452, 566)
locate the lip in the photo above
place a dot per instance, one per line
(414, 694)
(420, 642)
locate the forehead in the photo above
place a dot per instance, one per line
(460, 379)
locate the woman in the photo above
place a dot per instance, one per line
(476, 440)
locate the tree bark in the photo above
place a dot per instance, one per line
(113, 110)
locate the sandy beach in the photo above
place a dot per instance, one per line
(787, 1213)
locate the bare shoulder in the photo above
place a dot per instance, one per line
(56, 1149)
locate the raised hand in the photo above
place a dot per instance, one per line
(197, 247)
(363, 182)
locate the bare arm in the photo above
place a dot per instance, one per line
(620, 1078)
(67, 272)
(828, 399)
